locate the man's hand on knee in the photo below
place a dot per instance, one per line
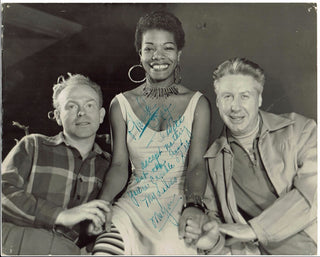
(94, 211)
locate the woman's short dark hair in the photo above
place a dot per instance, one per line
(163, 21)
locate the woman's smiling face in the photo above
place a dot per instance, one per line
(159, 54)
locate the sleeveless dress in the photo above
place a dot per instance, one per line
(147, 214)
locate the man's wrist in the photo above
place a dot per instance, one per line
(254, 236)
(59, 219)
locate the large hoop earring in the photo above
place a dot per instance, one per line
(129, 74)
(51, 115)
(177, 74)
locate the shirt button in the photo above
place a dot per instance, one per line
(80, 179)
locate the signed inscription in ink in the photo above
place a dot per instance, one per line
(157, 180)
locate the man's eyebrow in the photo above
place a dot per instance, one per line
(94, 100)
(68, 100)
(226, 92)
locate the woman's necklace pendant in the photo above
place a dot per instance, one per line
(157, 92)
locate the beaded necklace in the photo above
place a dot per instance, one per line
(157, 92)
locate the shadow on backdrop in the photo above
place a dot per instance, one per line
(43, 41)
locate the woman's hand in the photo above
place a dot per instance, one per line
(190, 224)
(93, 230)
(108, 217)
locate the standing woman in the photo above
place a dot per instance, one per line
(163, 128)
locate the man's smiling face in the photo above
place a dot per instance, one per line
(238, 101)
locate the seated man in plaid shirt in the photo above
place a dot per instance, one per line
(49, 184)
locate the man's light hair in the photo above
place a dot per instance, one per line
(74, 80)
(242, 66)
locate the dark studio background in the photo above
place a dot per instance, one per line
(43, 41)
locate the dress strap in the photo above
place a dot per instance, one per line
(194, 101)
(192, 107)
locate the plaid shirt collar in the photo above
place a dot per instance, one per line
(60, 139)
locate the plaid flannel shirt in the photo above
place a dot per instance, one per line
(43, 175)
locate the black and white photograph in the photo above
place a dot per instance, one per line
(159, 128)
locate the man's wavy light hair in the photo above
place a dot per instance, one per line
(74, 80)
(241, 66)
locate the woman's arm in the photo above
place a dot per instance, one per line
(117, 175)
(196, 174)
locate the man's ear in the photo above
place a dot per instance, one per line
(217, 101)
(102, 114)
(57, 117)
(260, 100)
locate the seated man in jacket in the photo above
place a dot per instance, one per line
(263, 168)
(49, 184)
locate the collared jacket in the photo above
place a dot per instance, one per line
(288, 151)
